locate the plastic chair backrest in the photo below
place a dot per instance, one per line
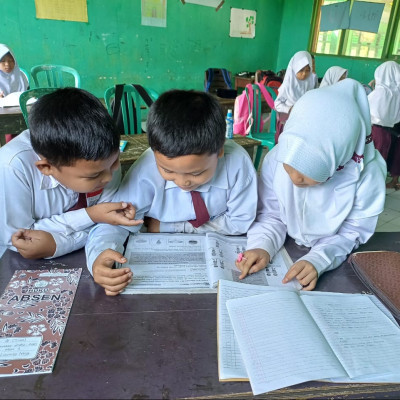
(217, 78)
(56, 76)
(25, 72)
(132, 107)
(29, 94)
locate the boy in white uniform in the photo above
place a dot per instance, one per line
(189, 181)
(53, 175)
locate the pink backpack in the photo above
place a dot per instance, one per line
(243, 111)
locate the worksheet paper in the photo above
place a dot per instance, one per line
(289, 337)
(193, 263)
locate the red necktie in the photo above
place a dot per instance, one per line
(82, 202)
(202, 215)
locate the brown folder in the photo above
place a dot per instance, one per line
(380, 272)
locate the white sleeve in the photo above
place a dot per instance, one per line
(103, 237)
(281, 106)
(268, 232)
(329, 252)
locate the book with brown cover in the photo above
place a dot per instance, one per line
(380, 272)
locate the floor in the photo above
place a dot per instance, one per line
(389, 220)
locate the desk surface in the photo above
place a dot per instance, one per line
(160, 346)
(137, 144)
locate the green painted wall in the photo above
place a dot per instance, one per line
(295, 33)
(113, 47)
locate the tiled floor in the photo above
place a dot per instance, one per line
(389, 220)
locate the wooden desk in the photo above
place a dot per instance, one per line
(137, 144)
(242, 81)
(161, 346)
(11, 122)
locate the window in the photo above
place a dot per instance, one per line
(347, 42)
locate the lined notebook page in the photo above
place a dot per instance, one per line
(279, 341)
(362, 337)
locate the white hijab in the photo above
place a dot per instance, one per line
(332, 75)
(292, 88)
(326, 128)
(15, 81)
(384, 100)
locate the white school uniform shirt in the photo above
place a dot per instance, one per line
(31, 200)
(230, 197)
(292, 88)
(332, 75)
(384, 100)
(16, 80)
(327, 138)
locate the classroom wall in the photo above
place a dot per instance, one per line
(113, 47)
(294, 36)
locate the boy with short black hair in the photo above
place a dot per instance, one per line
(189, 181)
(53, 175)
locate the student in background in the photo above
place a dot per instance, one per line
(53, 176)
(384, 104)
(332, 75)
(190, 180)
(323, 184)
(314, 73)
(11, 78)
(298, 80)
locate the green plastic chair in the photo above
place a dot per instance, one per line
(25, 72)
(132, 123)
(56, 76)
(29, 94)
(267, 139)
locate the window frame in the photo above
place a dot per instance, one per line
(388, 45)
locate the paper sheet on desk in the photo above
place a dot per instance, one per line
(193, 263)
(12, 100)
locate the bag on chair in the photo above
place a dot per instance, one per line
(243, 111)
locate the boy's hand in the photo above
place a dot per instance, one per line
(120, 213)
(113, 281)
(34, 243)
(153, 225)
(304, 272)
(253, 261)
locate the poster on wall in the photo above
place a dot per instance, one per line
(154, 13)
(335, 16)
(71, 10)
(243, 23)
(366, 16)
(217, 4)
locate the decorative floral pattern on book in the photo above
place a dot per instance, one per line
(34, 310)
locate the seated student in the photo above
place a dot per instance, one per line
(323, 184)
(11, 78)
(313, 72)
(53, 175)
(190, 180)
(332, 75)
(384, 104)
(298, 80)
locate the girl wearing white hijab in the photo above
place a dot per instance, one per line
(323, 184)
(11, 78)
(333, 75)
(384, 104)
(298, 80)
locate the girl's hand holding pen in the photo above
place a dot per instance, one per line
(252, 261)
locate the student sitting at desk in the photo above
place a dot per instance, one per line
(323, 184)
(11, 78)
(298, 80)
(191, 180)
(53, 175)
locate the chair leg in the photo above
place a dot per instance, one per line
(258, 156)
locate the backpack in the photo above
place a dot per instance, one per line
(218, 82)
(243, 111)
(116, 106)
(270, 79)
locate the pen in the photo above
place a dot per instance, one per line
(240, 257)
